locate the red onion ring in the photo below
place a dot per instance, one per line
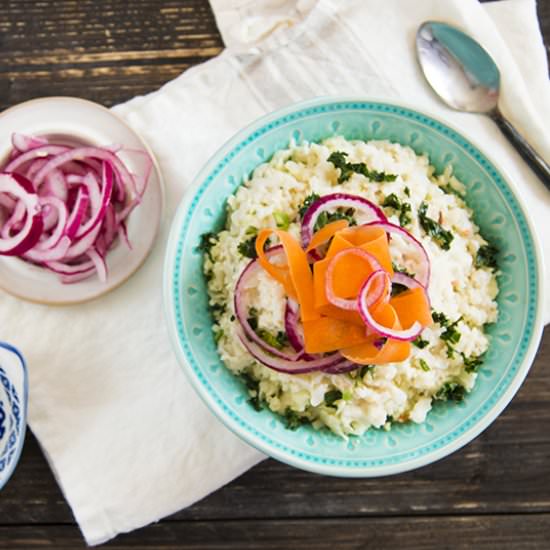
(21, 188)
(346, 366)
(283, 365)
(422, 274)
(25, 143)
(404, 334)
(343, 303)
(332, 202)
(292, 319)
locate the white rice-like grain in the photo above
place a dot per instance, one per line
(376, 396)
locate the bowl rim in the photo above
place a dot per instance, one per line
(6, 475)
(170, 295)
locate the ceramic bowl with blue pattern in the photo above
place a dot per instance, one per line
(498, 211)
(13, 409)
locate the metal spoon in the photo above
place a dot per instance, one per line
(465, 76)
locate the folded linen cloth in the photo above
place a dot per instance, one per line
(125, 434)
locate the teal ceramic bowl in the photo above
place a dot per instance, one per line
(498, 212)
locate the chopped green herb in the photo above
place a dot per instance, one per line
(338, 158)
(278, 340)
(293, 420)
(397, 288)
(472, 363)
(325, 218)
(423, 365)
(347, 396)
(404, 208)
(449, 189)
(451, 333)
(392, 201)
(407, 191)
(216, 310)
(441, 236)
(282, 220)
(405, 217)
(253, 387)
(253, 318)
(366, 368)
(248, 247)
(451, 391)
(440, 318)
(208, 240)
(251, 383)
(256, 402)
(308, 201)
(419, 342)
(218, 335)
(402, 270)
(331, 397)
(486, 256)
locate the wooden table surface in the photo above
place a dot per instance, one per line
(494, 493)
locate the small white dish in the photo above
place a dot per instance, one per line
(84, 122)
(13, 409)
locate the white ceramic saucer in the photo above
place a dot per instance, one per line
(86, 122)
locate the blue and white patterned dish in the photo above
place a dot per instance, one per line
(13, 409)
(502, 219)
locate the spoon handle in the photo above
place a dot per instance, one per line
(529, 155)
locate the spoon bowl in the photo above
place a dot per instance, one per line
(467, 79)
(458, 68)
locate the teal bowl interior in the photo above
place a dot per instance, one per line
(514, 338)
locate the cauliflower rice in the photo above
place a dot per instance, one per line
(373, 396)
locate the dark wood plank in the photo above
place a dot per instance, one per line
(503, 532)
(106, 52)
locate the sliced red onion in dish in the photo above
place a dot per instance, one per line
(344, 303)
(77, 214)
(58, 206)
(55, 185)
(397, 334)
(99, 263)
(284, 365)
(364, 209)
(25, 143)
(15, 221)
(33, 154)
(124, 232)
(62, 207)
(422, 268)
(83, 154)
(21, 188)
(105, 198)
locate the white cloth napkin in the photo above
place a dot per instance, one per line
(126, 436)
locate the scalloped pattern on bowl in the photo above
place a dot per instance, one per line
(514, 337)
(13, 407)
